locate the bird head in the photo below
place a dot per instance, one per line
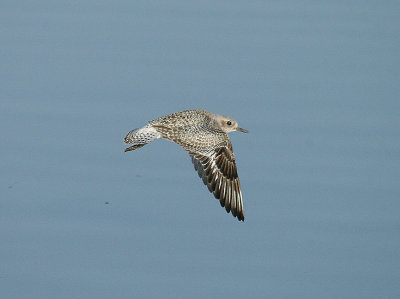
(228, 124)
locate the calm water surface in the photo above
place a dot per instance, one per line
(317, 86)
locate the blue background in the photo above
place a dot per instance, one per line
(315, 82)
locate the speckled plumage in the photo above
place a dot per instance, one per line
(204, 136)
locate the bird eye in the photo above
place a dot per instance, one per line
(229, 123)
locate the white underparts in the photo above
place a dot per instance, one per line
(142, 136)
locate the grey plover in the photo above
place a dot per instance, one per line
(204, 136)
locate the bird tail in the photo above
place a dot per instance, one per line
(140, 137)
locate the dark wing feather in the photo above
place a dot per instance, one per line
(218, 171)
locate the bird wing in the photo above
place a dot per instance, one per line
(218, 170)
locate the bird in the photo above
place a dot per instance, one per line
(204, 136)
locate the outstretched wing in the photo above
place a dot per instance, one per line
(218, 171)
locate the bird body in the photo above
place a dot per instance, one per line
(204, 136)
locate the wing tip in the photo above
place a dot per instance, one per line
(240, 217)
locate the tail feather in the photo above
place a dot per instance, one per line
(133, 147)
(140, 137)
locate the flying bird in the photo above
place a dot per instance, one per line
(204, 135)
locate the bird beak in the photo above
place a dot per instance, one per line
(242, 130)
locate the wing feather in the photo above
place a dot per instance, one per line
(218, 171)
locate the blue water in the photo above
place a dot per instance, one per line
(316, 84)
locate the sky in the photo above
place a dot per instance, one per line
(315, 83)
